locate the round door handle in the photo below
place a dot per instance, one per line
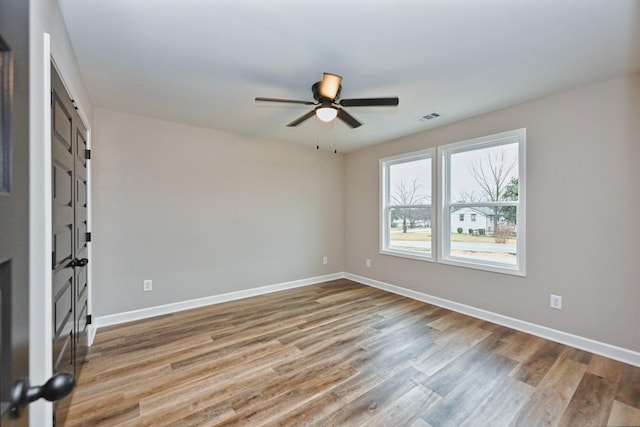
(78, 262)
(58, 386)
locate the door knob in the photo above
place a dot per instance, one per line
(78, 262)
(58, 386)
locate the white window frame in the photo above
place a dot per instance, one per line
(444, 255)
(385, 205)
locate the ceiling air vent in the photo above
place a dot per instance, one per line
(429, 117)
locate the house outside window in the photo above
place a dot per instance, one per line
(484, 177)
(406, 205)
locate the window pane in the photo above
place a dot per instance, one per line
(485, 175)
(410, 183)
(406, 205)
(410, 229)
(483, 203)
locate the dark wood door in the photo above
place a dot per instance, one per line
(69, 236)
(14, 206)
(62, 233)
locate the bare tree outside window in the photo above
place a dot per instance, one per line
(405, 194)
(493, 173)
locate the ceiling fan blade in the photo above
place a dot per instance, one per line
(301, 119)
(330, 85)
(348, 118)
(289, 101)
(370, 102)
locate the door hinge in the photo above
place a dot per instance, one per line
(53, 260)
(87, 237)
(87, 154)
(89, 319)
(52, 97)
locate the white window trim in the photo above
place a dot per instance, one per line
(444, 169)
(384, 202)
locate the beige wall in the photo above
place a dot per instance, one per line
(202, 212)
(583, 208)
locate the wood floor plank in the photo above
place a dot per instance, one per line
(343, 354)
(420, 423)
(501, 405)
(629, 389)
(623, 415)
(312, 412)
(455, 372)
(520, 346)
(534, 369)
(214, 397)
(407, 409)
(459, 403)
(591, 403)
(606, 368)
(285, 394)
(106, 413)
(450, 348)
(201, 377)
(376, 401)
(551, 398)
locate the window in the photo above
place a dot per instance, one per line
(406, 205)
(461, 217)
(485, 176)
(473, 217)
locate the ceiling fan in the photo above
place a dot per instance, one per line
(326, 93)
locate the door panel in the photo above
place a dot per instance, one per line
(63, 307)
(62, 239)
(14, 202)
(69, 211)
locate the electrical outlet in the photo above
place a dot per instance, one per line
(147, 285)
(556, 302)
(325, 260)
(367, 262)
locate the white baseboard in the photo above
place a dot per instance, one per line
(129, 316)
(613, 352)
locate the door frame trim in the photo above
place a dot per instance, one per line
(40, 246)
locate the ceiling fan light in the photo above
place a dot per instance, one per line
(326, 114)
(330, 85)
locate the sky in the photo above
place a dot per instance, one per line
(461, 180)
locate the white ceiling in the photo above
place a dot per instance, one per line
(203, 62)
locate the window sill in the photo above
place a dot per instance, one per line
(408, 254)
(479, 265)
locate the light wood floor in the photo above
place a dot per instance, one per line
(343, 354)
